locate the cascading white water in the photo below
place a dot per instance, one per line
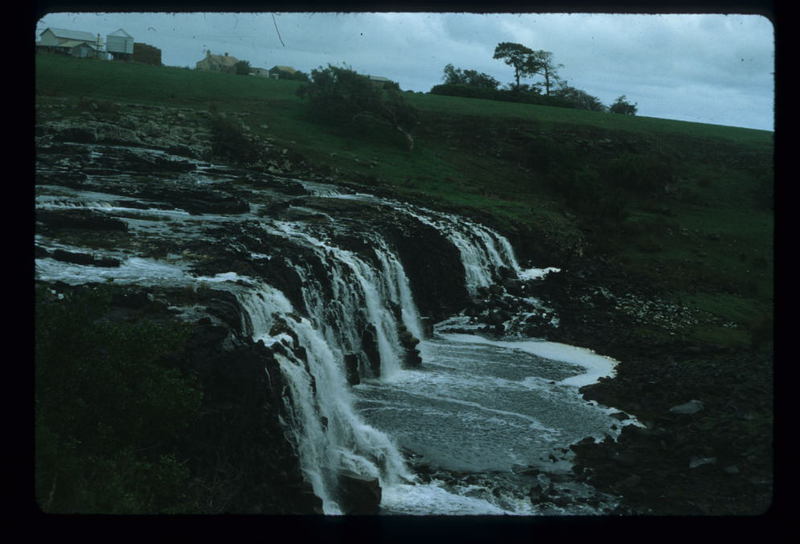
(483, 251)
(328, 434)
(360, 291)
(478, 246)
(398, 287)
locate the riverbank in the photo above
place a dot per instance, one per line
(707, 445)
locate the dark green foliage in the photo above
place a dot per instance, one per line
(622, 106)
(548, 69)
(578, 99)
(242, 68)
(297, 75)
(470, 78)
(110, 409)
(344, 97)
(524, 60)
(229, 141)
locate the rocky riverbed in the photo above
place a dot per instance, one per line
(706, 447)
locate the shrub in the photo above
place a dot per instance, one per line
(622, 106)
(345, 97)
(242, 68)
(109, 409)
(229, 141)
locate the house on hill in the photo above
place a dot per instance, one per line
(217, 63)
(76, 43)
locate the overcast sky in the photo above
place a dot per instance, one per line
(705, 68)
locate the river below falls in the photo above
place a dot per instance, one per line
(479, 415)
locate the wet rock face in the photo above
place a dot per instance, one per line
(359, 495)
(434, 269)
(79, 219)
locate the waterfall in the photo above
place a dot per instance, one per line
(483, 251)
(398, 287)
(361, 293)
(328, 435)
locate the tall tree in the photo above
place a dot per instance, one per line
(548, 69)
(523, 59)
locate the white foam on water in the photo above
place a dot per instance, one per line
(432, 499)
(132, 270)
(536, 273)
(596, 366)
(223, 277)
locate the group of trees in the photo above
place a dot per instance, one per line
(527, 63)
(342, 96)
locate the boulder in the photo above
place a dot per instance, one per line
(358, 495)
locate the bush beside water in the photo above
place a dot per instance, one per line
(110, 409)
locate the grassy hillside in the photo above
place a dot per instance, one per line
(684, 207)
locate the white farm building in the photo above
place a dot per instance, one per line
(71, 42)
(119, 45)
(77, 43)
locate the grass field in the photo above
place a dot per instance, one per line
(702, 234)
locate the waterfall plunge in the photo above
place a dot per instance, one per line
(328, 434)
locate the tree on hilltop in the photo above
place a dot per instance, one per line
(524, 60)
(622, 106)
(548, 69)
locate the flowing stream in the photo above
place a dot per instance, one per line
(469, 431)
